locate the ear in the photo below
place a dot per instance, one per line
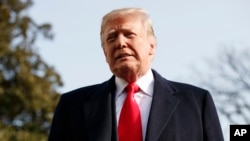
(152, 46)
(105, 53)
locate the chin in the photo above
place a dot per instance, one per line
(123, 69)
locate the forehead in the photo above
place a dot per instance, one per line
(127, 22)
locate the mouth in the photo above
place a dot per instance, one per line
(124, 55)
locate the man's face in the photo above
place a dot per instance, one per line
(127, 47)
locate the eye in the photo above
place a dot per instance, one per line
(130, 34)
(111, 37)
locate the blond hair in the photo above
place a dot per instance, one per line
(143, 14)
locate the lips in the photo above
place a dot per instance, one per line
(122, 55)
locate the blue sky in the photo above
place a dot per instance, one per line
(187, 32)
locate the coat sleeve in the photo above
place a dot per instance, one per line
(212, 128)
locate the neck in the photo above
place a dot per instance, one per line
(131, 76)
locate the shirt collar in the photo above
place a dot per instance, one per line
(146, 84)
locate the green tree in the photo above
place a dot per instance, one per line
(28, 85)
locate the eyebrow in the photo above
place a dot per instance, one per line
(111, 32)
(124, 29)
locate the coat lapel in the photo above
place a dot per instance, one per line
(163, 106)
(99, 113)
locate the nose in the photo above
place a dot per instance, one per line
(120, 42)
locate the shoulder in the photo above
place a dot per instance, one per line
(177, 86)
(191, 96)
(185, 87)
(87, 92)
(188, 93)
(182, 90)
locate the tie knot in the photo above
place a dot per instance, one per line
(132, 88)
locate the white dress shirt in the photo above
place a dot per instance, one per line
(143, 97)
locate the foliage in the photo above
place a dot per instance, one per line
(27, 84)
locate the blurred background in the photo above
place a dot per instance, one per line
(51, 47)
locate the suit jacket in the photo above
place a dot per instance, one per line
(179, 112)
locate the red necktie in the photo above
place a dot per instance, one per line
(129, 127)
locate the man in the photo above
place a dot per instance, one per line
(163, 110)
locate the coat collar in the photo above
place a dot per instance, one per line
(99, 113)
(163, 106)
